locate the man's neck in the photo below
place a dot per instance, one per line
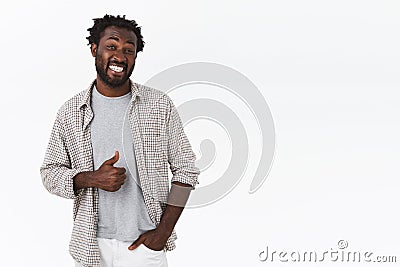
(112, 91)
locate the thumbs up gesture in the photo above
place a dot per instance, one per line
(112, 160)
(108, 177)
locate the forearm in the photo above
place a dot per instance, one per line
(177, 199)
(58, 180)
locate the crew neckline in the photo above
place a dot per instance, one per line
(98, 94)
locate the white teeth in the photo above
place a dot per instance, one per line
(116, 68)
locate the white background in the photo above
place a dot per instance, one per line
(329, 71)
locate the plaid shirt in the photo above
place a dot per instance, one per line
(158, 139)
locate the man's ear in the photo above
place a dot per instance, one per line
(93, 49)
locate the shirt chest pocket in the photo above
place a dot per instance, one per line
(153, 145)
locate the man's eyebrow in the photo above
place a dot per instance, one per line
(113, 38)
(132, 43)
(117, 39)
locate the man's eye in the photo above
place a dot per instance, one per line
(111, 47)
(130, 51)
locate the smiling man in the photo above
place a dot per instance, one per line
(109, 150)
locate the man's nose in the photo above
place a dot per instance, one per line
(119, 56)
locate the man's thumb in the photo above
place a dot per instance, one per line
(112, 160)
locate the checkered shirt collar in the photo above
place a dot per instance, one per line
(88, 93)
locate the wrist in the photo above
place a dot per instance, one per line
(164, 230)
(83, 180)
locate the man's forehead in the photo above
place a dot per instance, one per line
(115, 32)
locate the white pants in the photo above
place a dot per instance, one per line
(115, 253)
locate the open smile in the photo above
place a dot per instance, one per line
(116, 68)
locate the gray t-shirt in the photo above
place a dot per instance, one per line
(122, 214)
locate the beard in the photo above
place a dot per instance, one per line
(102, 67)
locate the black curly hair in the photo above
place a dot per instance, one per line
(100, 24)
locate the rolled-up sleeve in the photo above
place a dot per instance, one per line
(56, 171)
(180, 154)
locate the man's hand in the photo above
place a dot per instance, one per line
(107, 177)
(157, 238)
(153, 239)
